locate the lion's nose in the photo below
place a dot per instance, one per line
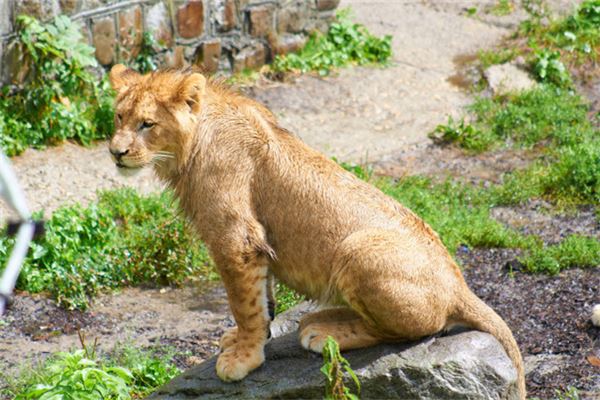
(118, 153)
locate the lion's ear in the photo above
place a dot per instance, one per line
(121, 77)
(191, 90)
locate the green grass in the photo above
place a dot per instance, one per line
(345, 43)
(546, 113)
(125, 373)
(488, 58)
(503, 7)
(574, 251)
(123, 239)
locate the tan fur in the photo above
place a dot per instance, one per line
(266, 204)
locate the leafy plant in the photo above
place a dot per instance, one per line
(60, 99)
(145, 60)
(125, 373)
(333, 368)
(503, 7)
(548, 68)
(345, 43)
(462, 133)
(286, 298)
(124, 239)
(74, 376)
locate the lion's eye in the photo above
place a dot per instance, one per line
(147, 125)
(119, 117)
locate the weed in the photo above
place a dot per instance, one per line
(549, 69)
(574, 251)
(345, 43)
(461, 133)
(488, 58)
(145, 60)
(576, 37)
(60, 99)
(333, 368)
(123, 239)
(503, 7)
(570, 394)
(126, 373)
(286, 298)
(522, 119)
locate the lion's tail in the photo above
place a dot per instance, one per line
(473, 312)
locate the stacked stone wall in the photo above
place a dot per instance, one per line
(216, 35)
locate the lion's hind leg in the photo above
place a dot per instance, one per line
(343, 324)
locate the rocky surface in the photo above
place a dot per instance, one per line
(467, 365)
(507, 78)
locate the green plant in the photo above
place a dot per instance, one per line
(548, 68)
(74, 376)
(145, 60)
(461, 133)
(124, 373)
(523, 119)
(60, 98)
(286, 298)
(488, 58)
(572, 393)
(503, 7)
(345, 43)
(333, 368)
(123, 239)
(574, 251)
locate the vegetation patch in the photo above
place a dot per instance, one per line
(334, 366)
(576, 37)
(82, 374)
(60, 98)
(345, 43)
(123, 239)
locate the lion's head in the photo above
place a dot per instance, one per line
(155, 116)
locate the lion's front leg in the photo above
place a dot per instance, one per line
(229, 338)
(245, 279)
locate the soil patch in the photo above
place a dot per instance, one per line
(549, 316)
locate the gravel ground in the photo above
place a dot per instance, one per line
(549, 316)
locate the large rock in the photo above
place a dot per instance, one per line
(507, 78)
(467, 365)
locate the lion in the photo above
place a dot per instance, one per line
(268, 206)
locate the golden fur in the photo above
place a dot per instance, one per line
(268, 205)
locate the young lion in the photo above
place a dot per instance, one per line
(268, 205)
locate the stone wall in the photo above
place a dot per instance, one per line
(217, 35)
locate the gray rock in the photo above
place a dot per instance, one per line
(467, 365)
(506, 78)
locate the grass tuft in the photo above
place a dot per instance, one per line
(345, 43)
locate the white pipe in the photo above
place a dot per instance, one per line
(13, 267)
(11, 191)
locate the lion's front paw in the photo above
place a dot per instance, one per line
(228, 339)
(236, 362)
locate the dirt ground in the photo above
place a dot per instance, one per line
(362, 114)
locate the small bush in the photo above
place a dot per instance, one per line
(130, 373)
(60, 99)
(345, 43)
(123, 239)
